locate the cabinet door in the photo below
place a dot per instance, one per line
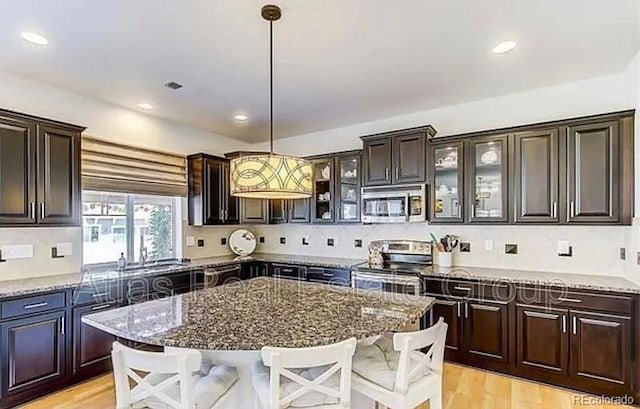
(488, 189)
(447, 183)
(322, 198)
(542, 354)
(451, 311)
(409, 158)
(58, 176)
(486, 331)
(536, 176)
(348, 189)
(299, 210)
(254, 211)
(377, 162)
(213, 205)
(278, 211)
(601, 351)
(231, 211)
(17, 171)
(33, 352)
(593, 172)
(91, 346)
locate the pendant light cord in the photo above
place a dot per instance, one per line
(271, 84)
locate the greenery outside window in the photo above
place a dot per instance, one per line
(115, 223)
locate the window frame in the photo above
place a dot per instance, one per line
(129, 216)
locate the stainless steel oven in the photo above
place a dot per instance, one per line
(401, 284)
(394, 204)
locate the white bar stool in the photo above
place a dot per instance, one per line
(318, 377)
(172, 380)
(397, 374)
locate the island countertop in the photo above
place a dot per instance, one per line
(262, 312)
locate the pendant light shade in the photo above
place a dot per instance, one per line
(268, 175)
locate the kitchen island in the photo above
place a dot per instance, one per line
(231, 323)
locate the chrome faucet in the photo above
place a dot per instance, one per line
(144, 256)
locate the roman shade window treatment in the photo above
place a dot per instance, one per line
(111, 167)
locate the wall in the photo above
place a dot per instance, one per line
(102, 120)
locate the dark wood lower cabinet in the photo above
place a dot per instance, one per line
(486, 332)
(450, 311)
(91, 347)
(542, 342)
(34, 356)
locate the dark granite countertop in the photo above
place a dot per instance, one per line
(262, 312)
(34, 285)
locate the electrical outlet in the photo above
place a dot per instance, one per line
(191, 241)
(10, 252)
(465, 247)
(510, 249)
(488, 245)
(283, 240)
(564, 248)
(64, 249)
(357, 243)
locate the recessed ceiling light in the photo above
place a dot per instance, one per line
(34, 38)
(145, 105)
(241, 117)
(504, 47)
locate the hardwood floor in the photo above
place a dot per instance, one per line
(464, 388)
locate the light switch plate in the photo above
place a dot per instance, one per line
(488, 245)
(191, 241)
(64, 249)
(563, 247)
(16, 251)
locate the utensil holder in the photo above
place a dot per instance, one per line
(445, 259)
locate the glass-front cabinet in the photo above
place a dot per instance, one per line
(348, 189)
(487, 180)
(447, 184)
(322, 202)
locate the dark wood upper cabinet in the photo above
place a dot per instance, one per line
(396, 157)
(58, 175)
(323, 195)
(601, 352)
(409, 158)
(254, 211)
(278, 211)
(17, 171)
(347, 190)
(542, 354)
(39, 171)
(210, 201)
(299, 211)
(593, 172)
(536, 177)
(377, 162)
(487, 179)
(447, 182)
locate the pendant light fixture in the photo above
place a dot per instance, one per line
(268, 175)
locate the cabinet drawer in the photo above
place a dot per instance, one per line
(32, 305)
(553, 297)
(328, 276)
(97, 293)
(468, 289)
(288, 271)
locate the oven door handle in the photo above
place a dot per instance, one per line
(407, 208)
(416, 282)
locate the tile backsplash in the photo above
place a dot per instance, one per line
(595, 250)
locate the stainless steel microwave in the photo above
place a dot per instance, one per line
(394, 204)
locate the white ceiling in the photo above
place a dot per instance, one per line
(337, 62)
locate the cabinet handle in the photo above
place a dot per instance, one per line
(42, 210)
(100, 295)
(466, 310)
(572, 209)
(461, 288)
(397, 172)
(100, 307)
(221, 215)
(564, 324)
(458, 304)
(36, 305)
(573, 300)
(473, 211)
(574, 325)
(554, 213)
(386, 173)
(32, 210)
(62, 325)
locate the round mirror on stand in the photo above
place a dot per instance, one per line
(242, 242)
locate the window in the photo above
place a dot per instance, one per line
(114, 223)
